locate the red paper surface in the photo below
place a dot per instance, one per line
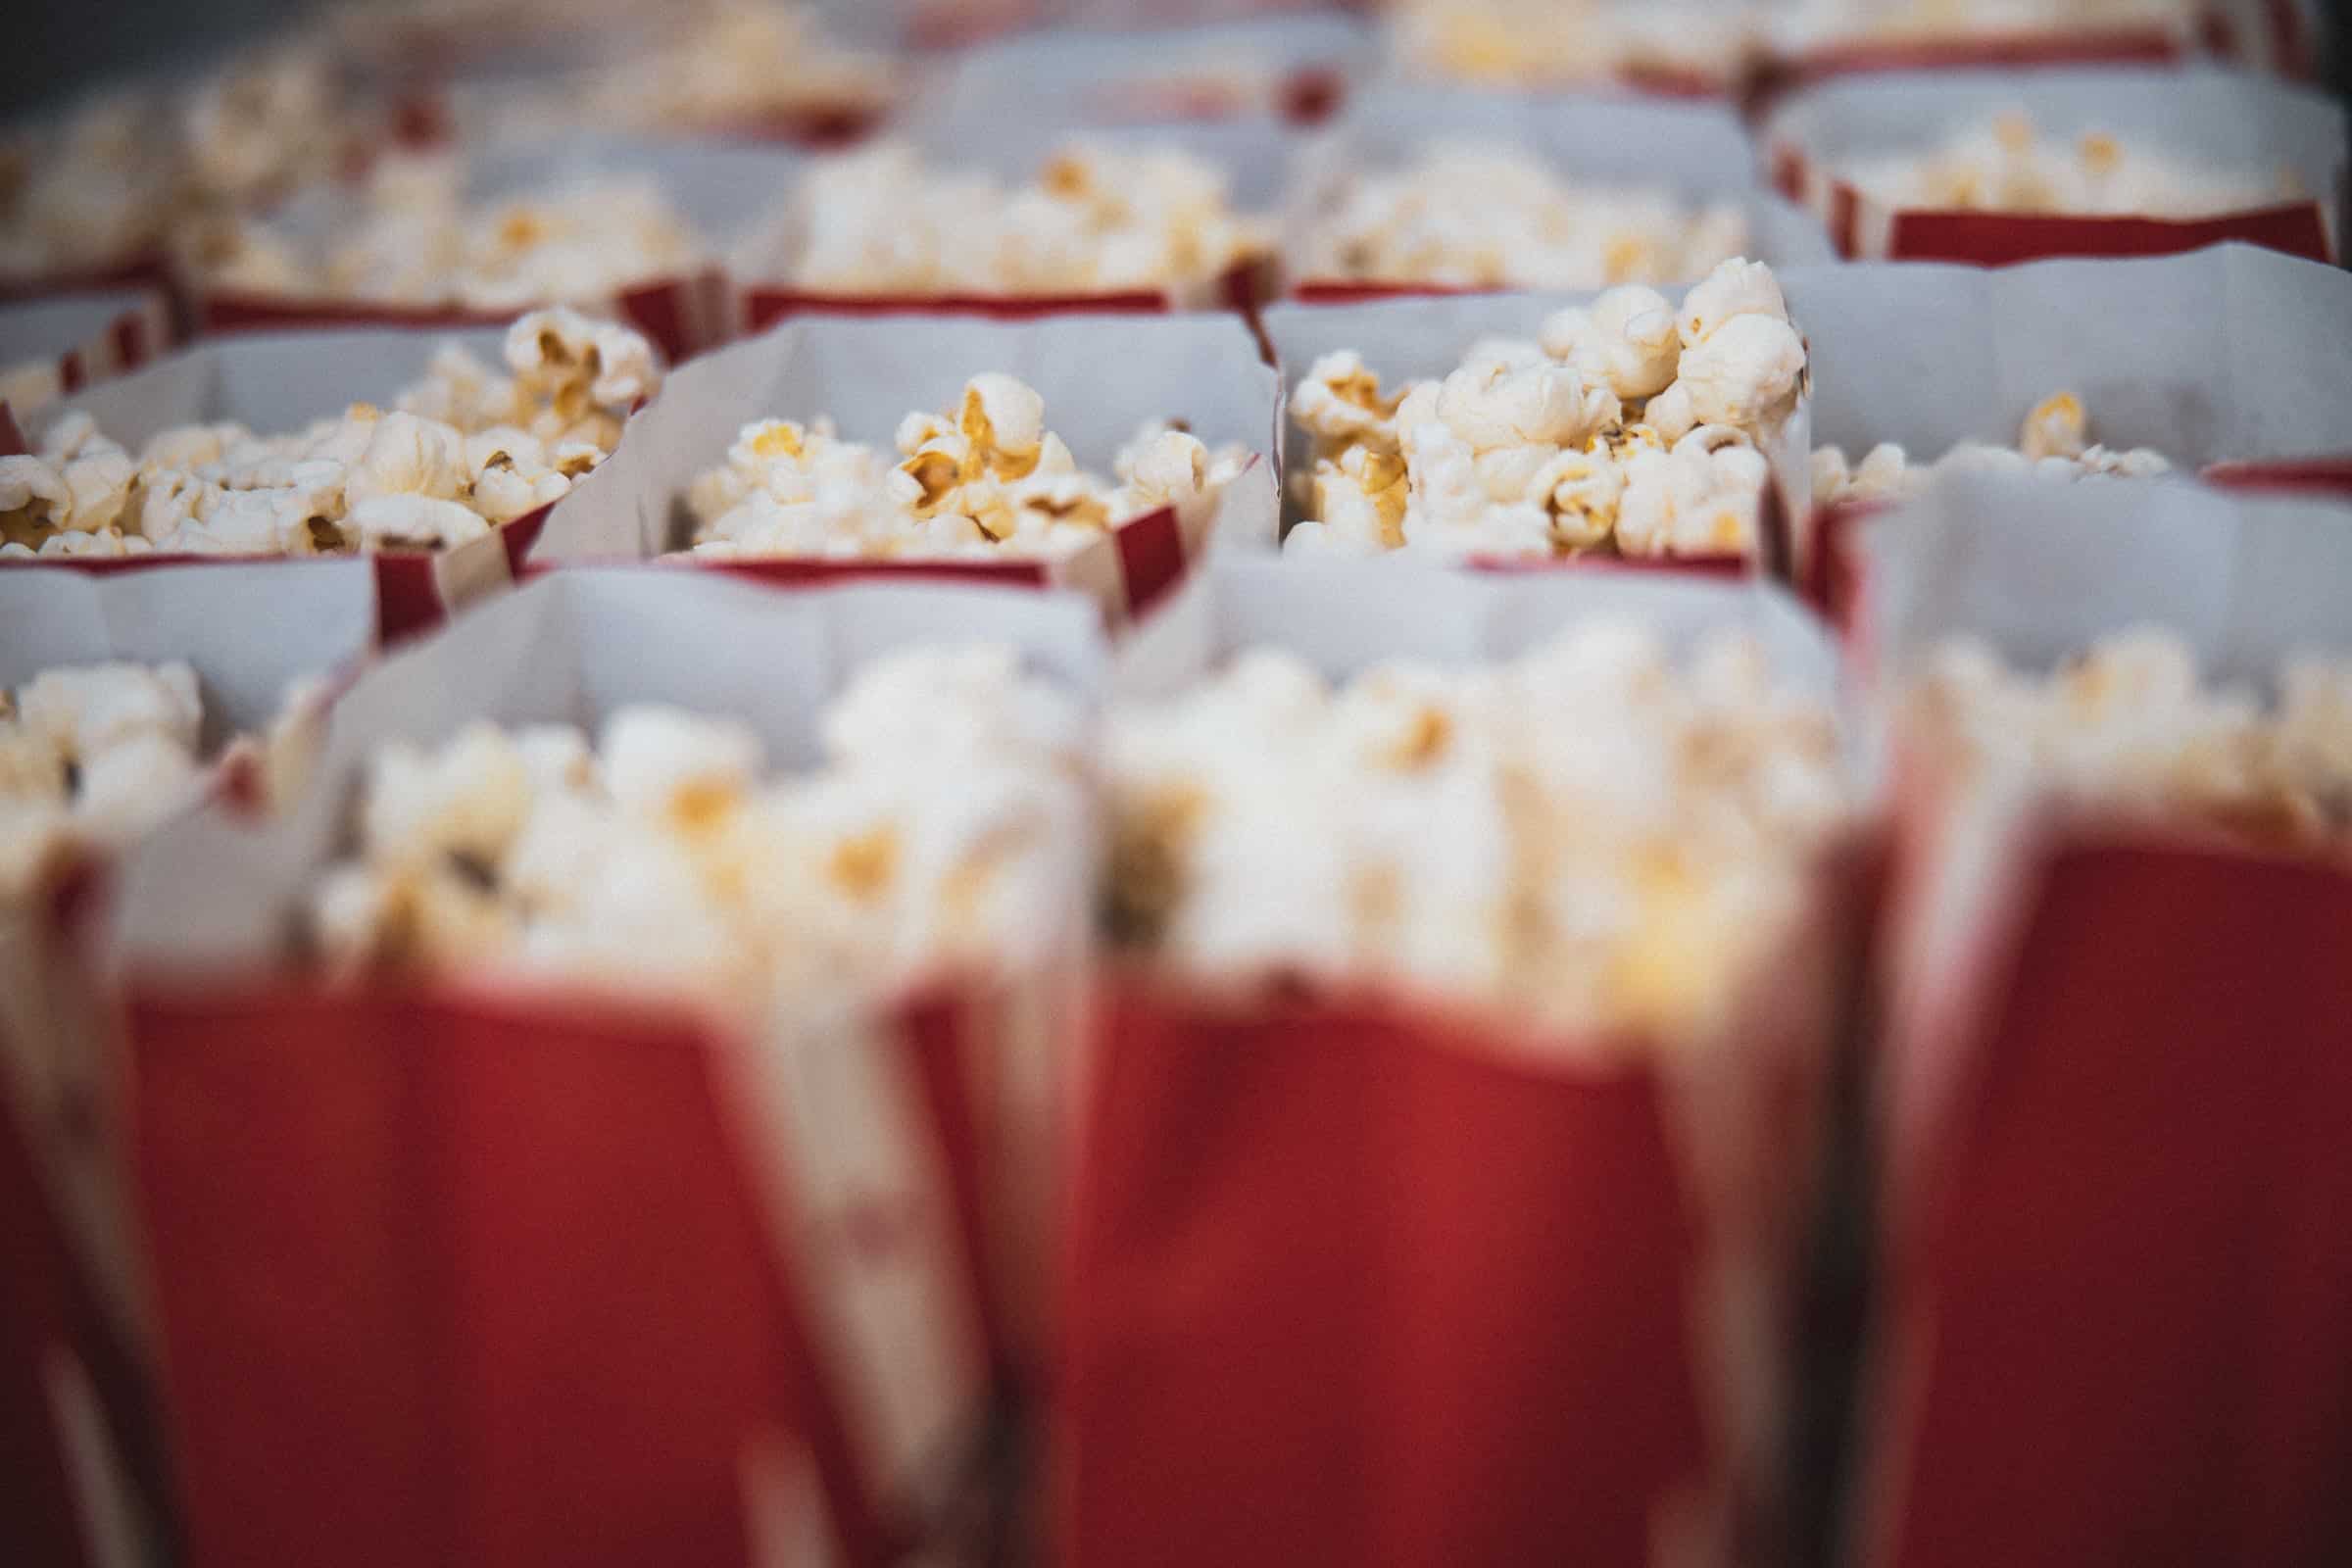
(2123, 1315)
(2315, 476)
(1343, 1289)
(1996, 239)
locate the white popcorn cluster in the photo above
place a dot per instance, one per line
(990, 480)
(125, 176)
(2053, 443)
(1095, 219)
(2006, 166)
(1583, 836)
(466, 450)
(2129, 731)
(413, 239)
(1484, 216)
(729, 65)
(1629, 426)
(91, 757)
(1546, 43)
(948, 827)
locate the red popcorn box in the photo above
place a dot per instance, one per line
(1292, 67)
(88, 1479)
(2221, 361)
(2280, 36)
(1695, 152)
(473, 1269)
(281, 381)
(1368, 1278)
(1099, 379)
(720, 192)
(52, 348)
(975, 133)
(2229, 121)
(2113, 1304)
(1405, 340)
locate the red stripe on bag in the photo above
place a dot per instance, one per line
(1788, 172)
(799, 571)
(1345, 1285)
(1151, 557)
(2138, 1207)
(2001, 52)
(408, 600)
(464, 1281)
(12, 435)
(765, 307)
(1845, 219)
(661, 312)
(1347, 291)
(937, 1035)
(1311, 94)
(520, 535)
(2321, 476)
(129, 336)
(1998, 239)
(68, 370)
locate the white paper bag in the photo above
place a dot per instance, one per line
(52, 348)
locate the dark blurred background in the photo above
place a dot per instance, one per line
(62, 45)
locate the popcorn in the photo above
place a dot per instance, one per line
(2127, 731)
(945, 828)
(467, 450)
(413, 240)
(1095, 219)
(2007, 166)
(1582, 836)
(1631, 425)
(1549, 43)
(992, 481)
(2052, 443)
(91, 757)
(1473, 215)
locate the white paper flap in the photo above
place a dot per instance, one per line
(2230, 352)
(273, 383)
(249, 628)
(1100, 377)
(2208, 115)
(1347, 616)
(2040, 572)
(571, 648)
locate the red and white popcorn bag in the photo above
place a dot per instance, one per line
(53, 348)
(1410, 340)
(1368, 1276)
(1295, 67)
(2222, 155)
(461, 1266)
(700, 199)
(2114, 1299)
(1834, 40)
(76, 1349)
(1101, 380)
(1649, 190)
(280, 382)
(878, 230)
(2221, 363)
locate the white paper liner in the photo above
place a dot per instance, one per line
(1100, 378)
(52, 348)
(2202, 114)
(1416, 339)
(1156, 73)
(2228, 353)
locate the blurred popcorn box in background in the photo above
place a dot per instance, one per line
(1406, 340)
(1523, 192)
(1992, 167)
(1101, 380)
(52, 348)
(1843, 38)
(999, 211)
(2221, 362)
(1679, 50)
(77, 1334)
(1293, 67)
(515, 1268)
(2114, 1080)
(1316, 1226)
(638, 231)
(273, 383)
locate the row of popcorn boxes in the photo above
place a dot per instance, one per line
(1413, 188)
(831, 1222)
(1743, 425)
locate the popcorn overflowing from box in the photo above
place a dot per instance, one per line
(1634, 426)
(2051, 444)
